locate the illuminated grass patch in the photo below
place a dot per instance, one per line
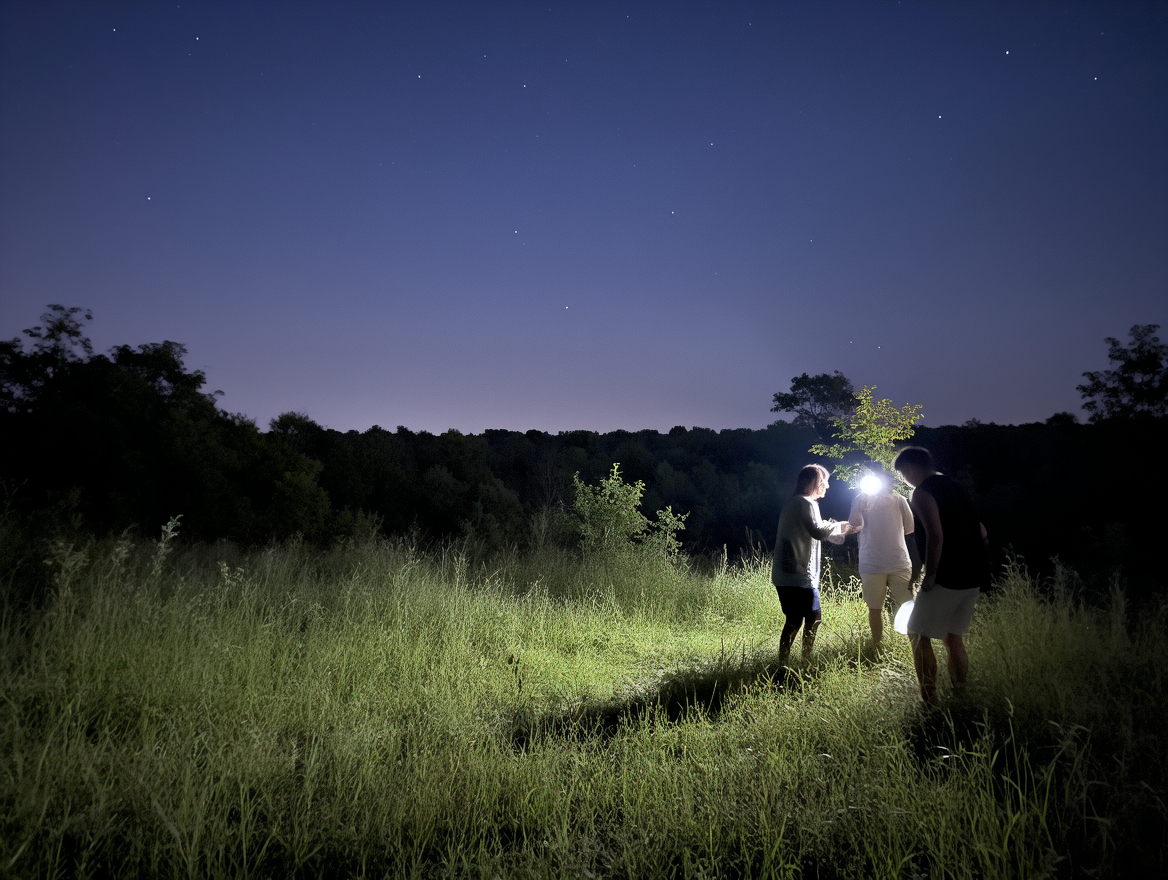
(380, 711)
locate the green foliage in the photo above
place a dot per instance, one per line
(610, 517)
(817, 401)
(610, 512)
(872, 429)
(1138, 386)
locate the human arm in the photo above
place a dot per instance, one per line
(856, 516)
(914, 556)
(929, 514)
(910, 541)
(818, 528)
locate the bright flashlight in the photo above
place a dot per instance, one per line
(900, 624)
(871, 484)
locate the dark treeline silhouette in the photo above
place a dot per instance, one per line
(1046, 490)
(1085, 494)
(508, 487)
(108, 442)
(101, 443)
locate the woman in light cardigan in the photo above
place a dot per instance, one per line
(798, 552)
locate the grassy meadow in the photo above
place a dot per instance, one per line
(388, 711)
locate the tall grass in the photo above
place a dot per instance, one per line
(380, 710)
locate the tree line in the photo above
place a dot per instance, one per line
(125, 440)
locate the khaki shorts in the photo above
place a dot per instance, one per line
(942, 611)
(877, 586)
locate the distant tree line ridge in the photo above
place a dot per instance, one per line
(101, 443)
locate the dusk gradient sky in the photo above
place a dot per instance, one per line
(591, 215)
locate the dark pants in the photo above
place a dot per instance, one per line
(797, 605)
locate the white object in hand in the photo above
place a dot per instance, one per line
(900, 624)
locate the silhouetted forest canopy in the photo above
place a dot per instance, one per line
(103, 443)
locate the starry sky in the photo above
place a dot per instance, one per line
(591, 215)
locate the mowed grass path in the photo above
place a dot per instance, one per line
(382, 711)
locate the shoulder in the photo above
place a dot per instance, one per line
(923, 499)
(794, 506)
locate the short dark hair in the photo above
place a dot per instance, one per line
(914, 456)
(810, 476)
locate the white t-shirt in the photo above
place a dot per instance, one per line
(886, 519)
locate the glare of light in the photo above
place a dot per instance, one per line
(900, 624)
(871, 484)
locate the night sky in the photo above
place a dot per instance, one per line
(592, 215)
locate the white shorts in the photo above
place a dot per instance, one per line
(877, 586)
(941, 611)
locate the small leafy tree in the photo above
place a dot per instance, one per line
(1138, 386)
(611, 519)
(872, 428)
(816, 401)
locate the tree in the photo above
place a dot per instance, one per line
(60, 343)
(872, 428)
(1138, 386)
(817, 401)
(129, 437)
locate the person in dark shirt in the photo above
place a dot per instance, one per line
(951, 540)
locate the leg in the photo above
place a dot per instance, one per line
(875, 588)
(925, 662)
(958, 661)
(810, 628)
(790, 627)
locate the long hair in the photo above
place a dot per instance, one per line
(809, 477)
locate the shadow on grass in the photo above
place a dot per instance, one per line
(681, 694)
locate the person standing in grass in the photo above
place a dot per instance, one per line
(951, 540)
(798, 552)
(888, 564)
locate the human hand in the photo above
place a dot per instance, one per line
(928, 583)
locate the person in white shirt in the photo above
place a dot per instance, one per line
(888, 564)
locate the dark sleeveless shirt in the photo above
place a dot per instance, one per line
(964, 561)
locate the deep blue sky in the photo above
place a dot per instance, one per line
(591, 215)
